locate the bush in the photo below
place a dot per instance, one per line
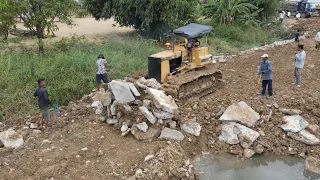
(82, 13)
(69, 73)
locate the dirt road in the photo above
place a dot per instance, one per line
(60, 152)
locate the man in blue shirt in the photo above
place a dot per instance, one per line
(265, 71)
(43, 102)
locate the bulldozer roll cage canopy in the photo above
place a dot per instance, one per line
(193, 30)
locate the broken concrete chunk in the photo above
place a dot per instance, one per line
(147, 103)
(171, 135)
(126, 132)
(162, 101)
(313, 128)
(112, 121)
(294, 123)
(142, 127)
(11, 139)
(33, 126)
(134, 90)
(104, 96)
(113, 108)
(148, 158)
(124, 128)
(228, 135)
(191, 127)
(313, 165)
(259, 149)
(127, 108)
(148, 114)
(246, 135)
(150, 135)
(290, 111)
(248, 153)
(97, 105)
(304, 137)
(153, 83)
(121, 92)
(98, 111)
(173, 124)
(242, 113)
(162, 114)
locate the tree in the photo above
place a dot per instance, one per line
(40, 15)
(144, 14)
(227, 11)
(7, 18)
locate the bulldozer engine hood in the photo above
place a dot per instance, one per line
(193, 30)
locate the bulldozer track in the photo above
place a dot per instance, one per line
(195, 84)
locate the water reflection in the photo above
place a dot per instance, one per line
(229, 167)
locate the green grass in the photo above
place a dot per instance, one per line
(69, 70)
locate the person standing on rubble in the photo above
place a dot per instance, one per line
(299, 64)
(265, 71)
(101, 73)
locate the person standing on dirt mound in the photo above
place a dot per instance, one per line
(101, 73)
(43, 102)
(299, 64)
(265, 71)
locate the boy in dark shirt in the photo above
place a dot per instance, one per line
(297, 36)
(43, 102)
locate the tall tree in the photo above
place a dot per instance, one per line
(40, 15)
(144, 14)
(7, 18)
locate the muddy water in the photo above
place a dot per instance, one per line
(229, 167)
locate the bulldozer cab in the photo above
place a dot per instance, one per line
(186, 52)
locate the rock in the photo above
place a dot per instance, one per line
(162, 101)
(233, 133)
(97, 105)
(137, 102)
(84, 149)
(153, 83)
(259, 149)
(294, 123)
(162, 114)
(127, 108)
(246, 135)
(228, 135)
(121, 92)
(147, 103)
(148, 114)
(139, 173)
(119, 115)
(112, 121)
(275, 105)
(102, 119)
(313, 165)
(191, 127)
(113, 108)
(171, 135)
(248, 153)
(33, 126)
(98, 111)
(36, 131)
(104, 96)
(150, 135)
(124, 128)
(126, 132)
(219, 114)
(148, 158)
(11, 139)
(142, 127)
(218, 129)
(290, 111)
(313, 128)
(262, 133)
(173, 124)
(304, 137)
(1, 145)
(242, 113)
(134, 90)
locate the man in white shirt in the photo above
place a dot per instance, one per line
(298, 15)
(299, 64)
(101, 73)
(317, 40)
(281, 16)
(289, 14)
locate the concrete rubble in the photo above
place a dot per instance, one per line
(294, 123)
(313, 165)
(142, 127)
(171, 135)
(305, 137)
(11, 139)
(290, 111)
(234, 133)
(151, 118)
(121, 91)
(192, 128)
(162, 101)
(242, 113)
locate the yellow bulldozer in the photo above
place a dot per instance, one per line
(186, 69)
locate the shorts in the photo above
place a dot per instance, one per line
(46, 113)
(103, 77)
